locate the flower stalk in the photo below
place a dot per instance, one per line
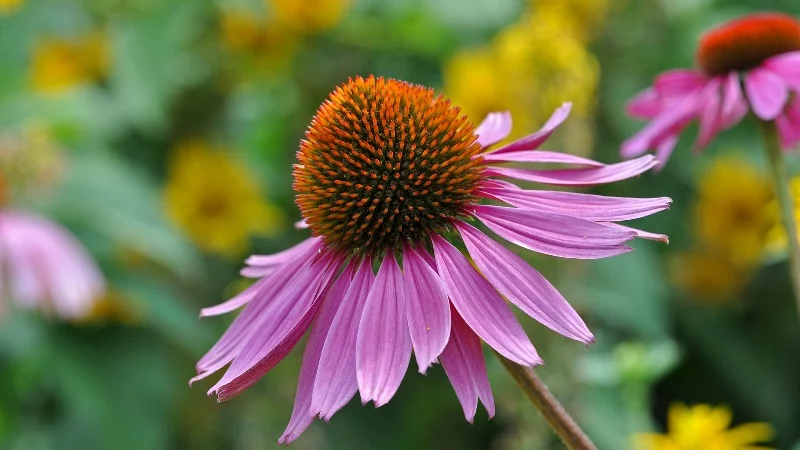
(783, 192)
(551, 410)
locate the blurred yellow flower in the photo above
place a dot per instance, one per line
(270, 44)
(475, 81)
(530, 68)
(215, 200)
(542, 57)
(240, 30)
(703, 427)
(707, 274)
(586, 17)
(309, 16)
(9, 6)
(60, 64)
(729, 213)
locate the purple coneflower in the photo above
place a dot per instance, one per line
(43, 266)
(759, 51)
(389, 175)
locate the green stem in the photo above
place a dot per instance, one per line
(552, 411)
(785, 202)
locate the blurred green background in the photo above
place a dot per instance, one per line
(161, 133)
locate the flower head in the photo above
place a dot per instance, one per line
(43, 266)
(760, 52)
(388, 175)
(704, 427)
(214, 198)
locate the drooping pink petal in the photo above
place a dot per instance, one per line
(645, 105)
(788, 125)
(534, 140)
(481, 306)
(231, 342)
(428, 309)
(494, 128)
(767, 93)
(678, 83)
(668, 123)
(279, 330)
(554, 234)
(301, 224)
(267, 261)
(579, 177)
(734, 106)
(786, 66)
(522, 285)
(786, 133)
(462, 360)
(301, 413)
(710, 114)
(586, 206)
(540, 156)
(641, 233)
(383, 345)
(664, 150)
(336, 381)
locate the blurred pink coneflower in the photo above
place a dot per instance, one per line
(748, 64)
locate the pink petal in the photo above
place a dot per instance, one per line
(522, 285)
(671, 121)
(734, 105)
(236, 302)
(301, 413)
(481, 306)
(540, 156)
(579, 177)
(279, 330)
(678, 82)
(462, 360)
(786, 66)
(231, 342)
(336, 381)
(383, 345)
(428, 310)
(301, 224)
(534, 140)
(789, 125)
(554, 234)
(584, 206)
(263, 261)
(640, 233)
(710, 115)
(664, 150)
(494, 128)
(767, 93)
(645, 105)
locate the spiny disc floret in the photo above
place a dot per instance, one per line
(385, 162)
(746, 42)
